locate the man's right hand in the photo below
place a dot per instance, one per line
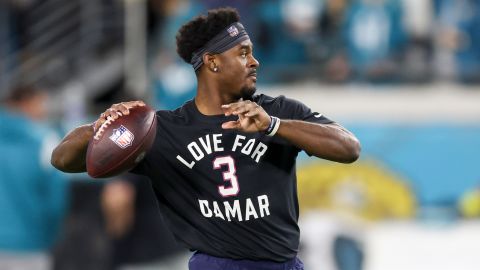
(70, 154)
(115, 111)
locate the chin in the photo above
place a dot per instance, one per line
(247, 92)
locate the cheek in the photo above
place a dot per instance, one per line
(238, 64)
(234, 71)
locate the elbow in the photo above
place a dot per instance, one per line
(56, 160)
(65, 162)
(352, 151)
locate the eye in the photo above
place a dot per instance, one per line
(244, 54)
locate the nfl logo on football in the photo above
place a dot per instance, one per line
(122, 137)
(232, 30)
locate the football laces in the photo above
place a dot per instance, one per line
(98, 135)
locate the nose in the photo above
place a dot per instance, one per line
(253, 62)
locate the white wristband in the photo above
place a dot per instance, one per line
(276, 125)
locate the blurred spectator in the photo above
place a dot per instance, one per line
(279, 47)
(341, 40)
(330, 48)
(173, 81)
(418, 19)
(458, 38)
(32, 193)
(116, 225)
(374, 38)
(301, 16)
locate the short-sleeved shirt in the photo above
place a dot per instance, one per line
(224, 192)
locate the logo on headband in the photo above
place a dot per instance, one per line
(233, 31)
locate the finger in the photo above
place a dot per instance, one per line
(114, 109)
(111, 112)
(124, 109)
(139, 103)
(233, 105)
(235, 108)
(228, 109)
(231, 125)
(240, 110)
(99, 123)
(253, 107)
(252, 113)
(114, 113)
(136, 103)
(248, 110)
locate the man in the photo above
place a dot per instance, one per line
(33, 195)
(223, 164)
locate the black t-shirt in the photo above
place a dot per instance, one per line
(227, 193)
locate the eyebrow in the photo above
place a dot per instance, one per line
(246, 47)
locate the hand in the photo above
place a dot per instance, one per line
(117, 110)
(251, 116)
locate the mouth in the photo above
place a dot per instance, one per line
(253, 75)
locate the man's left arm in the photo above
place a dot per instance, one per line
(328, 141)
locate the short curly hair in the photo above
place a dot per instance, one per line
(195, 33)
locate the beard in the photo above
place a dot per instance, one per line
(247, 92)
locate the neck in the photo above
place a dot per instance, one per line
(210, 97)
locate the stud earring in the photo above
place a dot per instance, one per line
(215, 69)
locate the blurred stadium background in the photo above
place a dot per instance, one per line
(402, 74)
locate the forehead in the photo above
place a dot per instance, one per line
(243, 44)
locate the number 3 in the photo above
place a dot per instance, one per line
(228, 175)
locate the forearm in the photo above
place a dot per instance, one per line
(327, 141)
(70, 154)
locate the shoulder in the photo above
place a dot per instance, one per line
(176, 114)
(279, 105)
(280, 100)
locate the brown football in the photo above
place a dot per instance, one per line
(118, 145)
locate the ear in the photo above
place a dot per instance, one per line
(209, 60)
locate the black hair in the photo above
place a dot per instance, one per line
(195, 33)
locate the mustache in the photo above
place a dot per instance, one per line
(252, 72)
